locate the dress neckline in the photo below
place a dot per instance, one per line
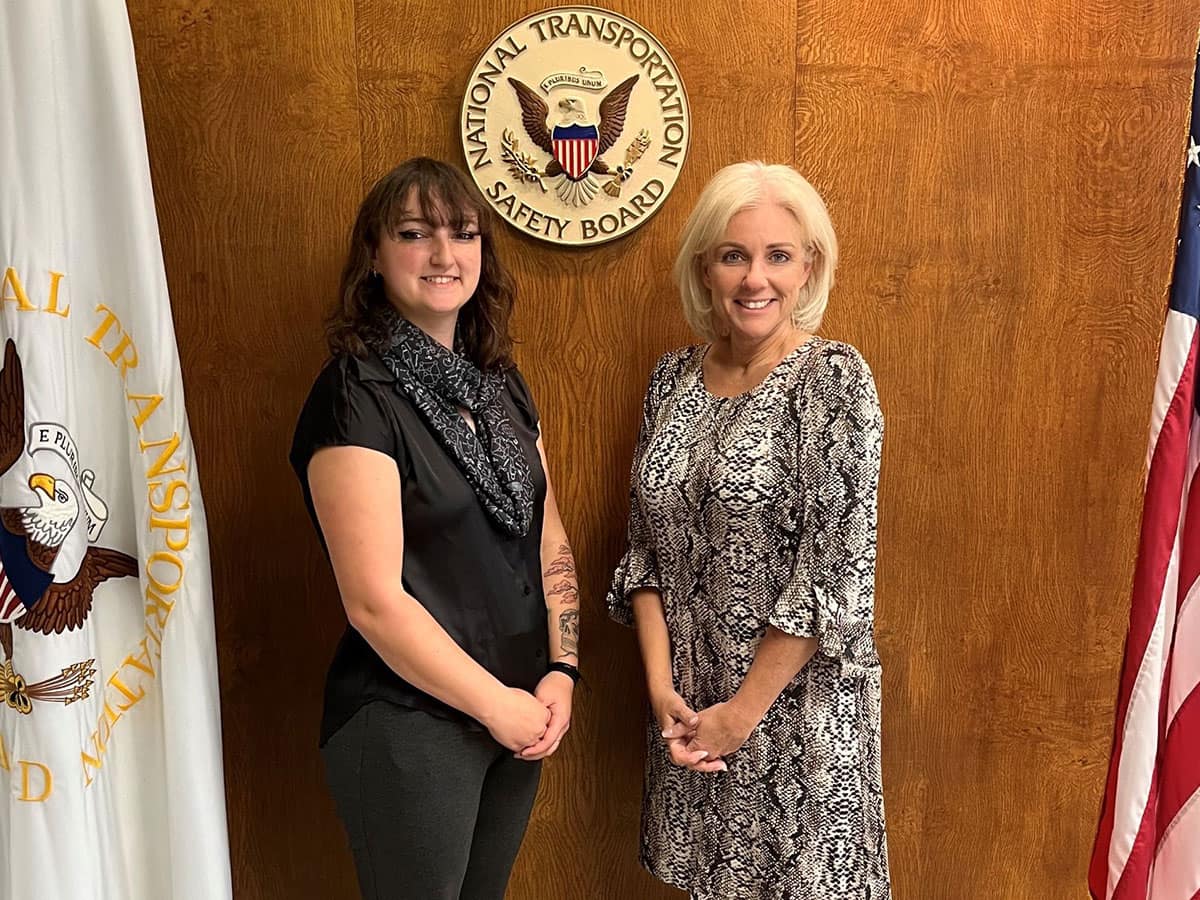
(750, 391)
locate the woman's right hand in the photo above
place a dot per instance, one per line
(677, 725)
(517, 719)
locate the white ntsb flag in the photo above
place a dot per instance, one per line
(110, 741)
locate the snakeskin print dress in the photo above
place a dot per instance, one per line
(745, 512)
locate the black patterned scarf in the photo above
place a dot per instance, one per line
(439, 382)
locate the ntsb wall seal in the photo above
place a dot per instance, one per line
(575, 125)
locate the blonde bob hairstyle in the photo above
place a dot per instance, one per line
(741, 186)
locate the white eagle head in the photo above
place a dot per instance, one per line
(52, 519)
(572, 110)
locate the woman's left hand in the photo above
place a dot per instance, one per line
(722, 729)
(555, 690)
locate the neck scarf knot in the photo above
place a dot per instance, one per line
(439, 383)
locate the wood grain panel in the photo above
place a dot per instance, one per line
(1006, 278)
(252, 125)
(1003, 178)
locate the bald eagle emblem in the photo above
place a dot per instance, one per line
(35, 594)
(574, 141)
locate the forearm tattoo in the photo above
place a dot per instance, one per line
(563, 591)
(568, 629)
(566, 589)
(563, 564)
(568, 593)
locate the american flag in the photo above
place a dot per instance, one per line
(1148, 843)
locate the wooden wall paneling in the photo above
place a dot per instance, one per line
(1006, 279)
(1004, 182)
(252, 124)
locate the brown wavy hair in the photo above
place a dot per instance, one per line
(358, 320)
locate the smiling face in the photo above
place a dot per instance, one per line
(429, 269)
(755, 272)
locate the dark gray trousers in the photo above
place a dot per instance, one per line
(433, 811)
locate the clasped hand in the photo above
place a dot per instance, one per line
(698, 741)
(553, 693)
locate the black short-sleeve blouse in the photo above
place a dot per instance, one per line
(482, 585)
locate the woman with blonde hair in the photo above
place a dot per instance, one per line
(749, 572)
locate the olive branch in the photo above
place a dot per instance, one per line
(521, 165)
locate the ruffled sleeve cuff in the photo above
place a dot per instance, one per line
(805, 609)
(637, 569)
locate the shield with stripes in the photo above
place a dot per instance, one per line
(575, 148)
(22, 582)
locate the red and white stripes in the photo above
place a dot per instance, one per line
(575, 154)
(1148, 843)
(11, 606)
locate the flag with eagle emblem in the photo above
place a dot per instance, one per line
(110, 743)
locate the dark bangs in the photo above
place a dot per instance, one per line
(443, 199)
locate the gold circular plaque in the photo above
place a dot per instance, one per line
(575, 125)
